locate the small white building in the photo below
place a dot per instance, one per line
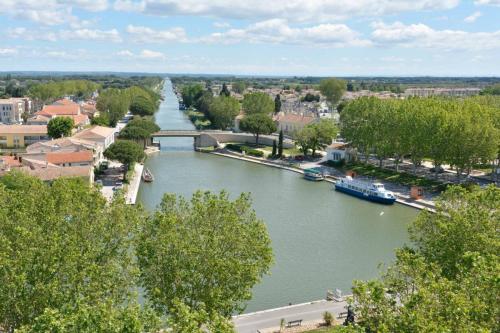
(340, 152)
(103, 136)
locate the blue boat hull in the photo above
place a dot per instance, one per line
(365, 197)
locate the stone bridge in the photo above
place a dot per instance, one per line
(204, 139)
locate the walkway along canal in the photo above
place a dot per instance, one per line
(321, 239)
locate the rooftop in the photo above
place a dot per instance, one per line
(23, 129)
(72, 157)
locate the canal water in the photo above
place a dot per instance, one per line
(321, 239)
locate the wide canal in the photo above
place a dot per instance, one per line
(321, 239)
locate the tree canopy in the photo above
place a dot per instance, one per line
(258, 102)
(142, 106)
(191, 93)
(258, 124)
(50, 91)
(460, 132)
(223, 110)
(239, 87)
(206, 253)
(59, 127)
(225, 91)
(449, 281)
(125, 151)
(66, 255)
(332, 89)
(316, 135)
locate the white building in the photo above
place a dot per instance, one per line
(11, 110)
(103, 136)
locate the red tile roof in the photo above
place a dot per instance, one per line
(295, 118)
(60, 110)
(73, 157)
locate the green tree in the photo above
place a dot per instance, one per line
(191, 93)
(142, 106)
(61, 252)
(277, 103)
(449, 281)
(101, 120)
(280, 144)
(100, 317)
(144, 123)
(136, 134)
(126, 152)
(223, 110)
(258, 124)
(207, 253)
(316, 135)
(332, 89)
(239, 87)
(60, 127)
(183, 319)
(204, 102)
(225, 91)
(258, 102)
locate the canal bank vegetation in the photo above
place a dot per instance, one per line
(72, 261)
(461, 133)
(448, 280)
(113, 104)
(402, 178)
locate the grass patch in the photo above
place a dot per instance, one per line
(402, 178)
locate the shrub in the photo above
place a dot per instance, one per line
(328, 318)
(246, 149)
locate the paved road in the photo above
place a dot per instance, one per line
(250, 323)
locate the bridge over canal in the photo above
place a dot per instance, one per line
(209, 138)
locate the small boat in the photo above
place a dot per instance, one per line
(365, 190)
(314, 174)
(147, 176)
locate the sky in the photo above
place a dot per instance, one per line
(253, 37)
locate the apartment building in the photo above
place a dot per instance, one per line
(12, 110)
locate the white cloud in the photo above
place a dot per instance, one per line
(292, 10)
(221, 25)
(77, 34)
(144, 54)
(91, 34)
(128, 5)
(90, 5)
(473, 17)
(125, 53)
(7, 51)
(49, 12)
(279, 32)
(422, 36)
(142, 34)
(148, 54)
(487, 2)
(40, 34)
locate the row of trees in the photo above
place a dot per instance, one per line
(447, 281)
(114, 103)
(73, 265)
(459, 132)
(50, 91)
(222, 110)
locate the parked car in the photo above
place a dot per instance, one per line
(99, 182)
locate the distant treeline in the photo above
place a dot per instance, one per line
(20, 85)
(394, 84)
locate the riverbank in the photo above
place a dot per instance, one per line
(401, 197)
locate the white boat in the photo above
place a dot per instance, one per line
(147, 176)
(369, 191)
